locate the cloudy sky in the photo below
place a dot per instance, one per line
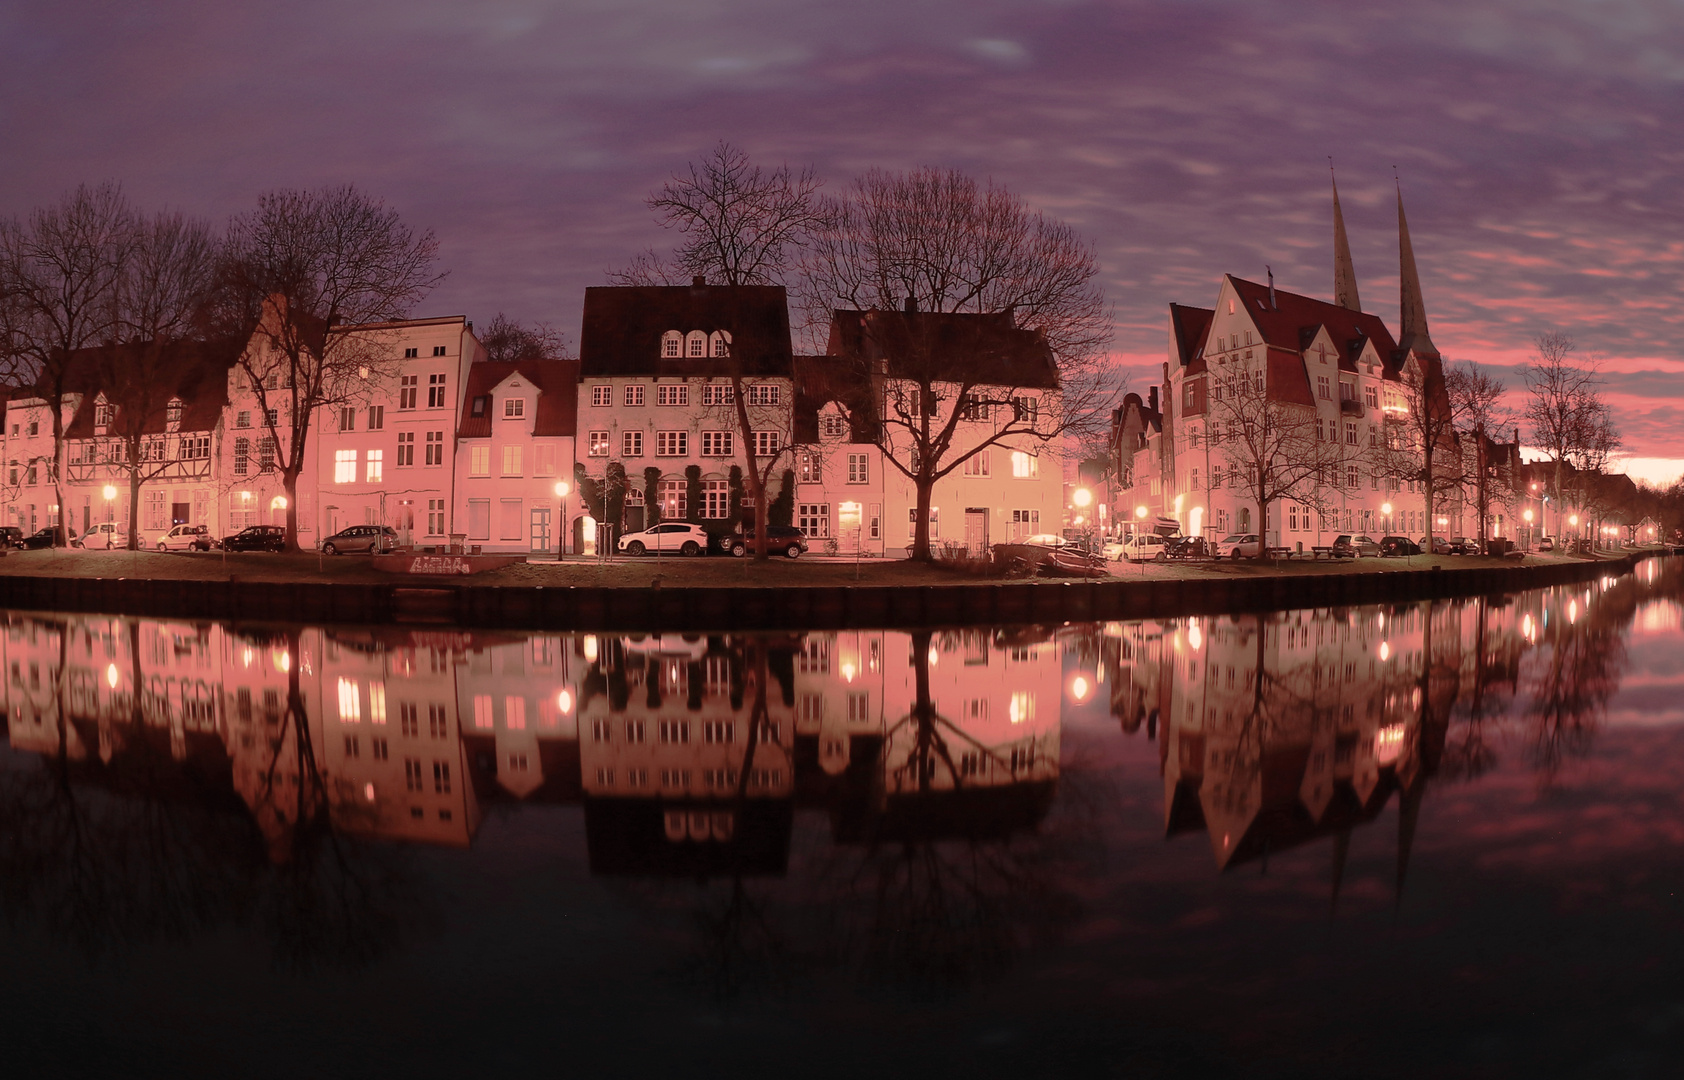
(1538, 143)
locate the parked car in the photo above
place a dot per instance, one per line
(365, 539)
(105, 536)
(675, 536)
(186, 538)
(1461, 545)
(11, 536)
(1239, 546)
(1440, 545)
(257, 538)
(780, 540)
(1392, 546)
(1346, 546)
(45, 538)
(1186, 547)
(1137, 547)
(1546, 543)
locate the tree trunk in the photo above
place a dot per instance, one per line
(289, 483)
(134, 508)
(63, 530)
(921, 532)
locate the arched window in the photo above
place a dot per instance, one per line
(696, 344)
(720, 343)
(671, 344)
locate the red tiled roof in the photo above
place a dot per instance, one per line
(557, 382)
(1281, 325)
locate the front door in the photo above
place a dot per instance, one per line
(976, 530)
(541, 529)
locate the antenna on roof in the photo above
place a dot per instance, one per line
(1271, 271)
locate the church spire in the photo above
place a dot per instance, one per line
(1344, 273)
(1412, 310)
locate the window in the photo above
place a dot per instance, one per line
(634, 395)
(670, 344)
(376, 466)
(672, 499)
(347, 419)
(1324, 388)
(1350, 433)
(596, 443)
(344, 466)
(718, 394)
(602, 395)
(412, 774)
(242, 419)
(34, 427)
(103, 416)
(479, 461)
(1352, 481)
(435, 392)
(1025, 466)
(1347, 391)
(717, 443)
(631, 444)
(672, 394)
(1025, 523)
(766, 443)
(912, 522)
(976, 465)
(242, 456)
(810, 468)
(411, 354)
(1371, 397)
(543, 460)
(977, 411)
(832, 426)
(858, 469)
(1026, 410)
(716, 498)
(672, 443)
(1319, 429)
(1373, 436)
(511, 461)
(813, 519)
(376, 417)
(763, 394)
(721, 340)
(438, 350)
(406, 449)
(406, 391)
(435, 517)
(514, 408)
(172, 414)
(441, 777)
(350, 702)
(435, 448)
(155, 510)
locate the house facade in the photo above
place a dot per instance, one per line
(514, 457)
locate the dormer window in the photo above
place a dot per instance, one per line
(172, 414)
(721, 343)
(479, 405)
(696, 344)
(104, 415)
(671, 344)
(514, 408)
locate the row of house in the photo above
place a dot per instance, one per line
(1181, 465)
(442, 443)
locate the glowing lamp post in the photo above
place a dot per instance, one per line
(1528, 516)
(562, 490)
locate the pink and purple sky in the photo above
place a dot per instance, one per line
(1538, 144)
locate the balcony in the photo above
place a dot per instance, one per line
(1350, 407)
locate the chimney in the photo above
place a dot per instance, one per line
(912, 305)
(698, 281)
(1272, 305)
(1152, 398)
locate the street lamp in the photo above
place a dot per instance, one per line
(562, 489)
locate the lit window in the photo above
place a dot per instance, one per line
(482, 711)
(344, 466)
(350, 702)
(511, 461)
(479, 461)
(377, 703)
(376, 465)
(1025, 466)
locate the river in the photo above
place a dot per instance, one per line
(1440, 838)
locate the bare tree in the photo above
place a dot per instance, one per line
(1476, 401)
(59, 275)
(1418, 446)
(1270, 447)
(1565, 412)
(975, 321)
(312, 270)
(741, 225)
(506, 340)
(158, 356)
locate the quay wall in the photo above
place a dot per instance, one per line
(782, 608)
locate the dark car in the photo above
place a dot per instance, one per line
(257, 538)
(11, 536)
(1391, 546)
(1346, 546)
(1461, 545)
(49, 537)
(780, 540)
(361, 538)
(1185, 547)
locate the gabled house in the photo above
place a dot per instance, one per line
(514, 446)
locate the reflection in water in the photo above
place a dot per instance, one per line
(165, 777)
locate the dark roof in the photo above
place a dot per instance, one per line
(1283, 324)
(820, 380)
(1190, 325)
(962, 347)
(557, 382)
(194, 371)
(621, 333)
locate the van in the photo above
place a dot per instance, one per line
(106, 536)
(1137, 547)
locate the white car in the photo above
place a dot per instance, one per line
(1239, 546)
(105, 536)
(1137, 548)
(678, 537)
(185, 538)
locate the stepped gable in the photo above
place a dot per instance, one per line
(558, 399)
(621, 332)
